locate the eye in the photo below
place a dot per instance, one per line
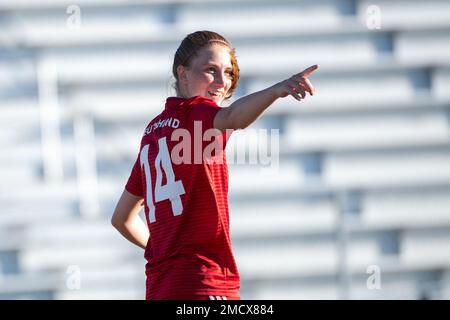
(229, 73)
(211, 70)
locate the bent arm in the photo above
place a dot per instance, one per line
(127, 221)
(244, 111)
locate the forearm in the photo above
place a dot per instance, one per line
(247, 109)
(244, 111)
(134, 230)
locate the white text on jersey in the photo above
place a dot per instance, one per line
(171, 122)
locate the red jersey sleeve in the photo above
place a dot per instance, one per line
(206, 112)
(134, 183)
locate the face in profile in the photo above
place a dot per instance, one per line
(209, 74)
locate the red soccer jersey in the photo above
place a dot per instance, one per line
(189, 252)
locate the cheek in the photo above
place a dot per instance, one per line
(201, 81)
(229, 83)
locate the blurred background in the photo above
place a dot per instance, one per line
(359, 207)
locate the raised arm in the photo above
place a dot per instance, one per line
(127, 221)
(244, 111)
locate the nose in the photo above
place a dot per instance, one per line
(220, 79)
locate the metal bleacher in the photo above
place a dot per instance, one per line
(363, 177)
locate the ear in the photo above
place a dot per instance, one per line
(181, 72)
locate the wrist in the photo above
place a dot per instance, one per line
(272, 91)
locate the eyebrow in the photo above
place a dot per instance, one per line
(215, 65)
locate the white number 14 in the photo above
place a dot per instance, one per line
(172, 190)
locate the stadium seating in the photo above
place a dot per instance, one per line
(362, 181)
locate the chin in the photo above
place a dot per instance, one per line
(217, 100)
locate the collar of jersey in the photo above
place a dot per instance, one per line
(177, 101)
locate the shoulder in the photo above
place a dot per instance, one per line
(204, 107)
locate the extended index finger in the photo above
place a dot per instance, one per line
(308, 71)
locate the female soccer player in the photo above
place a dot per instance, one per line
(184, 193)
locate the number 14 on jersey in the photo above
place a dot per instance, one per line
(172, 190)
